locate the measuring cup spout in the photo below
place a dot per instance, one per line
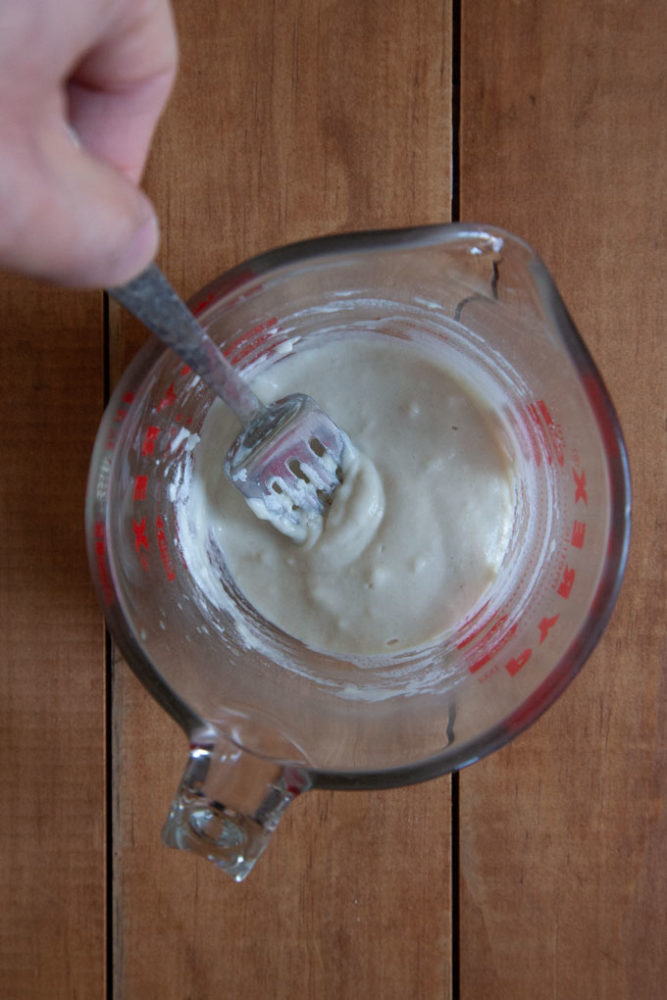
(228, 805)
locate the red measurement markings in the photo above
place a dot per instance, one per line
(164, 550)
(546, 625)
(537, 434)
(580, 486)
(140, 539)
(203, 303)
(150, 437)
(168, 400)
(514, 665)
(545, 434)
(250, 341)
(517, 663)
(122, 412)
(477, 632)
(173, 431)
(101, 560)
(119, 416)
(578, 534)
(492, 643)
(566, 582)
(554, 431)
(140, 486)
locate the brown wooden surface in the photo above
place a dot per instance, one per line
(52, 684)
(291, 120)
(564, 833)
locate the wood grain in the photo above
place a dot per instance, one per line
(289, 120)
(563, 834)
(52, 738)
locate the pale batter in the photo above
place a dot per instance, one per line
(416, 533)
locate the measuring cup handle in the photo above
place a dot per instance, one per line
(228, 805)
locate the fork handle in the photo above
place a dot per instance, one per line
(156, 304)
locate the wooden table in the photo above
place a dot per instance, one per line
(538, 872)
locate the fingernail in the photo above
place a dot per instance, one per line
(140, 251)
(72, 135)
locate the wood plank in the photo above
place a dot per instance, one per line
(52, 738)
(289, 120)
(563, 834)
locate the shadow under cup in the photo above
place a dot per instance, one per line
(286, 718)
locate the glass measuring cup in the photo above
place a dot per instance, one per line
(267, 717)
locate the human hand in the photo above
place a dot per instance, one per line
(82, 85)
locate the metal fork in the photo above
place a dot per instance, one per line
(289, 458)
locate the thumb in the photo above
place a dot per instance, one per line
(73, 219)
